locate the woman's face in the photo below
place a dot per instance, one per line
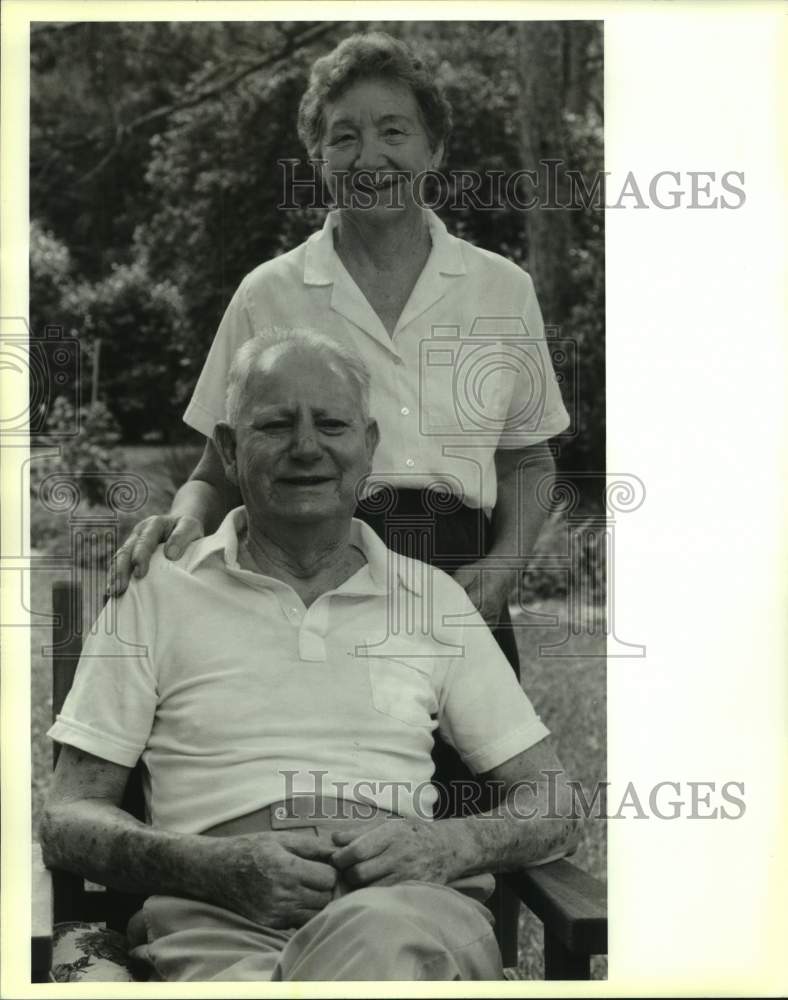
(375, 146)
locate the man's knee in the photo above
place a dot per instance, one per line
(415, 930)
(373, 914)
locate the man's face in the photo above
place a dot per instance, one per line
(301, 444)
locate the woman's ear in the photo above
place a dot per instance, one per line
(437, 155)
(224, 440)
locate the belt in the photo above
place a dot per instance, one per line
(303, 812)
(313, 812)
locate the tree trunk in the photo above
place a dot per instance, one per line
(541, 67)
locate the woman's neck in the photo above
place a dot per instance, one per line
(390, 245)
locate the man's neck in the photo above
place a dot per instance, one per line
(390, 245)
(310, 559)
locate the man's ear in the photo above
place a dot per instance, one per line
(224, 440)
(373, 437)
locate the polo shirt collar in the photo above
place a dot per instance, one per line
(224, 540)
(383, 565)
(322, 263)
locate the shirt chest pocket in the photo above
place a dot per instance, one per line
(402, 690)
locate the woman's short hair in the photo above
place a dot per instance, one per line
(249, 356)
(373, 54)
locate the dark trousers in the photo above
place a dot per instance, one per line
(445, 533)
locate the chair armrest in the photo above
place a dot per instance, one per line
(571, 904)
(41, 919)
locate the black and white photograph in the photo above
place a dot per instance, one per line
(356, 622)
(378, 217)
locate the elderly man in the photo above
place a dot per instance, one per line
(281, 683)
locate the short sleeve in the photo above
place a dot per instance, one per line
(207, 405)
(483, 711)
(537, 410)
(110, 708)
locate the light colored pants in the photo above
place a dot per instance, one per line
(411, 931)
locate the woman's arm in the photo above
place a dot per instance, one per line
(517, 520)
(197, 509)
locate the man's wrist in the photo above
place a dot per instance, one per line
(465, 848)
(209, 869)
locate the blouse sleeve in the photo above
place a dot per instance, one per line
(537, 410)
(207, 405)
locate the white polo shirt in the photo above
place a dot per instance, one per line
(467, 369)
(235, 695)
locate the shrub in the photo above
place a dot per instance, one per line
(85, 463)
(142, 360)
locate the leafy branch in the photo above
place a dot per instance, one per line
(293, 42)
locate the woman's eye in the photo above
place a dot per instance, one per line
(342, 140)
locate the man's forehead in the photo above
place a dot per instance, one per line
(294, 365)
(282, 377)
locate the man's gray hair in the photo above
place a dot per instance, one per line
(249, 356)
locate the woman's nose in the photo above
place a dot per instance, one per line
(370, 152)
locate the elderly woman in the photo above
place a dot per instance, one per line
(462, 384)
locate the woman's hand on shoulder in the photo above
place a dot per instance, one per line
(134, 556)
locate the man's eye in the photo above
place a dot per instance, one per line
(342, 140)
(333, 426)
(394, 131)
(273, 425)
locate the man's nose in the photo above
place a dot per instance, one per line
(304, 444)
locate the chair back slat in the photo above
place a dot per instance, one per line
(66, 643)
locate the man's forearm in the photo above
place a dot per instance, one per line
(107, 845)
(533, 826)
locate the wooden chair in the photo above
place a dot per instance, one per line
(571, 904)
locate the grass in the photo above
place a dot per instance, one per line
(568, 691)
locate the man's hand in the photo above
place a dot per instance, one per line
(399, 850)
(135, 553)
(488, 589)
(277, 879)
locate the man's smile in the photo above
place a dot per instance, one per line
(305, 480)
